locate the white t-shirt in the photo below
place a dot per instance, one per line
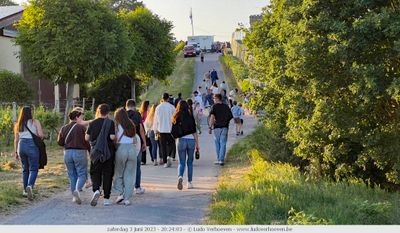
(125, 139)
(199, 100)
(215, 90)
(138, 147)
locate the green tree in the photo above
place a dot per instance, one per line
(127, 5)
(13, 88)
(7, 3)
(72, 41)
(153, 54)
(329, 73)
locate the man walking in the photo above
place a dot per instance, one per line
(162, 126)
(220, 116)
(214, 76)
(136, 118)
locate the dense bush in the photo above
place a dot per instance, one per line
(6, 126)
(49, 120)
(13, 88)
(329, 74)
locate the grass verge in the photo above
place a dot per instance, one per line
(181, 80)
(50, 180)
(231, 81)
(253, 190)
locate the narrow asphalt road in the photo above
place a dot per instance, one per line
(162, 203)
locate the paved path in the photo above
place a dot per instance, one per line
(161, 204)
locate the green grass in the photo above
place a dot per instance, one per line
(181, 80)
(254, 190)
(50, 180)
(231, 81)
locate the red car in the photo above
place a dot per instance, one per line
(189, 50)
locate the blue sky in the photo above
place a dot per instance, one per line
(211, 17)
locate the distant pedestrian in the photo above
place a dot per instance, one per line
(224, 98)
(162, 126)
(26, 150)
(136, 118)
(125, 156)
(220, 116)
(197, 114)
(241, 118)
(148, 125)
(179, 98)
(101, 135)
(171, 99)
(209, 98)
(214, 76)
(188, 142)
(214, 88)
(232, 96)
(223, 86)
(144, 109)
(72, 138)
(207, 78)
(198, 99)
(237, 114)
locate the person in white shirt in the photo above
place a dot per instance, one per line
(232, 96)
(197, 98)
(223, 86)
(162, 126)
(214, 88)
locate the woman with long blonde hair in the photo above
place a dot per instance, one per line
(148, 125)
(25, 148)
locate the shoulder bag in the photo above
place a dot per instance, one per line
(42, 148)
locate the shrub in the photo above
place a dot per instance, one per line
(6, 125)
(13, 88)
(49, 120)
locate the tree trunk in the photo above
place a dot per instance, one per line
(70, 99)
(133, 88)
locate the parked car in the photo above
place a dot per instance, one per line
(189, 50)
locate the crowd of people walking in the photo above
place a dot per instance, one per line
(117, 145)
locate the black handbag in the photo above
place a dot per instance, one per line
(177, 131)
(42, 149)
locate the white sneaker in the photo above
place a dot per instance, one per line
(107, 202)
(24, 194)
(180, 180)
(119, 199)
(165, 165)
(216, 162)
(169, 163)
(189, 185)
(77, 197)
(155, 163)
(95, 198)
(140, 190)
(127, 202)
(29, 192)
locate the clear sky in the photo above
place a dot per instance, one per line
(210, 17)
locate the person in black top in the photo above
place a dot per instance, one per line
(136, 118)
(220, 116)
(101, 169)
(188, 141)
(179, 98)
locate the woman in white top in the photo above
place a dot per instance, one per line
(26, 150)
(148, 126)
(214, 88)
(125, 157)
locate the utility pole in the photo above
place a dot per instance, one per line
(191, 20)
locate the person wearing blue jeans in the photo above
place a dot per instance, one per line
(220, 139)
(139, 189)
(26, 150)
(184, 128)
(72, 138)
(220, 116)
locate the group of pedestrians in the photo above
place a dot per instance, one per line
(117, 147)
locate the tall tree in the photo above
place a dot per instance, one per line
(330, 71)
(73, 41)
(151, 37)
(7, 3)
